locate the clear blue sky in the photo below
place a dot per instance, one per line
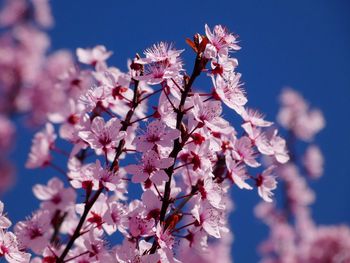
(304, 44)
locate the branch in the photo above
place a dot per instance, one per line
(198, 66)
(114, 166)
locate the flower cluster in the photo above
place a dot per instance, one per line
(28, 74)
(294, 236)
(148, 157)
(9, 246)
(181, 152)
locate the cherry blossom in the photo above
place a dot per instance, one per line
(164, 237)
(229, 91)
(243, 151)
(210, 218)
(4, 221)
(43, 142)
(9, 248)
(115, 218)
(255, 118)
(139, 224)
(95, 56)
(221, 39)
(160, 52)
(266, 183)
(103, 136)
(279, 148)
(313, 161)
(150, 153)
(161, 62)
(151, 167)
(237, 173)
(294, 236)
(34, 232)
(54, 195)
(157, 134)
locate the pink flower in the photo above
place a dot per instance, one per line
(255, 118)
(279, 148)
(135, 252)
(96, 98)
(43, 13)
(72, 119)
(103, 137)
(97, 247)
(219, 250)
(308, 125)
(4, 221)
(151, 167)
(230, 92)
(296, 115)
(161, 51)
(223, 64)
(210, 218)
(156, 134)
(221, 39)
(198, 156)
(40, 151)
(208, 113)
(328, 244)
(95, 216)
(13, 12)
(105, 177)
(266, 183)
(115, 218)
(34, 233)
(139, 224)
(243, 151)
(164, 237)
(9, 249)
(198, 240)
(205, 112)
(157, 72)
(54, 195)
(82, 176)
(162, 62)
(152, 203)
(258, 138)
(313, 161)
(139, 227)
(166, 110)
(237, 173)
(95, 56)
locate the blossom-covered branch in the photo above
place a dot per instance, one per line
(294, 236)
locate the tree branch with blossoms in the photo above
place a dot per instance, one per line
(187, 157)
(294, 235)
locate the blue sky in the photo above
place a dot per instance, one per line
(303, 44)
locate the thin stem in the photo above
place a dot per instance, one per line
(198, 66)
(171, 103)
(183, 203)
(149, 95)
(177, 85)
(182, 227)
(182, 165)
(141, 119)
(81, 254)
(76, 233)
(159, 194)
